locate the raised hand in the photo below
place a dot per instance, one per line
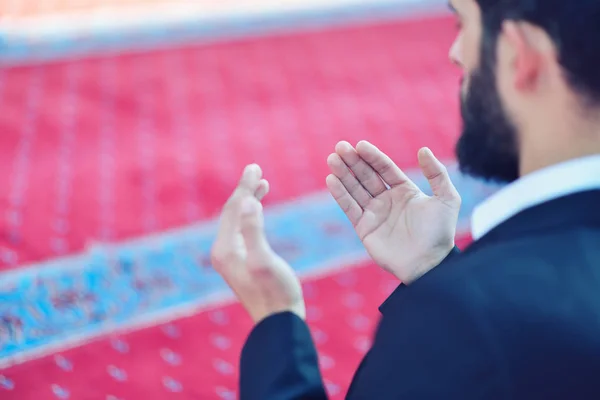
(405, 231)
(263, 282)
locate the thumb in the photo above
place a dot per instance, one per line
(253, 227)
(438, 177)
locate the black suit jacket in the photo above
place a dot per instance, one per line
(515, 316)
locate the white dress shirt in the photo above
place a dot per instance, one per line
(547, 184)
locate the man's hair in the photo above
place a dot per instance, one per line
(573, 25)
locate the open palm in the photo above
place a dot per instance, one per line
(404, 230)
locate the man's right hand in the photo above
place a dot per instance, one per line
(405, 231)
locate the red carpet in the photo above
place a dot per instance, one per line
(197, 357)
(115, 147)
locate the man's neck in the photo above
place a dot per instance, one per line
(552, 150)
(540, 161)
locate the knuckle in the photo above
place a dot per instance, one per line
(383, 166)
(259, 266)
(231, 203)
(347, 207)
(251, 227)
(354, 186)
(221, 257)
(437, 176)
(263, 265)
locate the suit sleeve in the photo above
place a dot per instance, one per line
(279, 362)
(434, 341)
(401, 288)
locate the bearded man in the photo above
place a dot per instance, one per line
(514, 316)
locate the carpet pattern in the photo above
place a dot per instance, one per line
(116, 166)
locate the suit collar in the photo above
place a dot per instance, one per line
(560, 180)
(577, 209)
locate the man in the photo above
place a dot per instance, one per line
(515, 316)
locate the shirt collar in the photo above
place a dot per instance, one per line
(538, 187)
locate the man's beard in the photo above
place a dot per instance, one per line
(488, 146)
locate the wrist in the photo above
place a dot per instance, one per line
(298, 309)
(426, 264)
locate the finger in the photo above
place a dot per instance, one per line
(346, 202)
(365, 174)
(382, 164)
(248, 185)
(352, 185)
(263, 189)
(249, 181)
(253, 228)
(438, 177)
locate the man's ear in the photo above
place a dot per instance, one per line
(524, 57)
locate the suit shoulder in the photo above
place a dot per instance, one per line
(532, 292)
(544, 263)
